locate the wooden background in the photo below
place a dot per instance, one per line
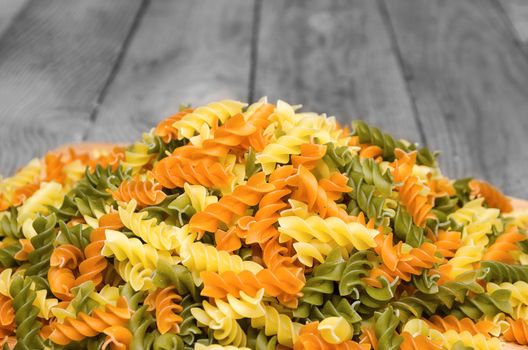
(450, 74)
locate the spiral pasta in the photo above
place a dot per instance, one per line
(136, 156)
(143, 192)
(28, 327)
(258, 227)
(63, 261)
(94, 263)
(505, 246)
(225, 329)
(175, 170)
(166, 129)
(518, 299)
(460, 325)
(90, 325)
(311, 154)
(321, 196)
(310, 338)
(279, 151)
(417, 342)
(49, 194)
(517, 332)
(492, 196)
(210, 115)
(332, 229)
(411, 189)
(451, 337)
(238, 134)
(275, 323)
(230, 206)
(403, 265)
(200, 257)
(7, 317)
(131, 249)
(27, 175)
(447, 243)
(166, 303)
(160, 236)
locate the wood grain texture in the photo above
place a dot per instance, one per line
(191, 51)
(53, 62)
(517, 11)
(9, 9)
(470, 83)
(336, 57)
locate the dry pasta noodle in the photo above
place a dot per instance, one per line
(235, 226)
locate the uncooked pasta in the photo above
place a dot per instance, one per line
(236, 226)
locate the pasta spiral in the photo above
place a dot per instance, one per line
(117, 337)
(238, 134)
(43, 244)
(411, 190)
(492, 196)
(27, 175)
(49, 194)
(403, 265)
(275, 323)
(315, 194)
(279, 152)
(225, 329)
(131, 249)
(231, 206)
(174, 171)
(505, 246)
(517, 332)
(7, 317)
(63, 261)
(136, 157)
(310, 339)
(143, 192)
(28, 327)
(22, 193)
(166, 129)
(200, 257)
(418, 342)
(447, 243)
(94, 263)
(166, 304)
(463, 325)
(329, 230)
(76, 329)
(310, 155)
(210, 115)
(261, 227)
(160, 236)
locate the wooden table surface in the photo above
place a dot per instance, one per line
(449, 74)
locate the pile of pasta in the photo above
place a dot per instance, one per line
(258, 226)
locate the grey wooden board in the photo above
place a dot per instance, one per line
(335, 57)
(54, 60)
(517, 11)
(9, 9)
(470, 83)
(190, 51)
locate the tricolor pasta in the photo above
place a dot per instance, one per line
(235, 226)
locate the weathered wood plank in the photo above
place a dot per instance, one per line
(470, 82)
(336, 57)
(183, 52)
(517, 11)
(54, 60)
(9, 9)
